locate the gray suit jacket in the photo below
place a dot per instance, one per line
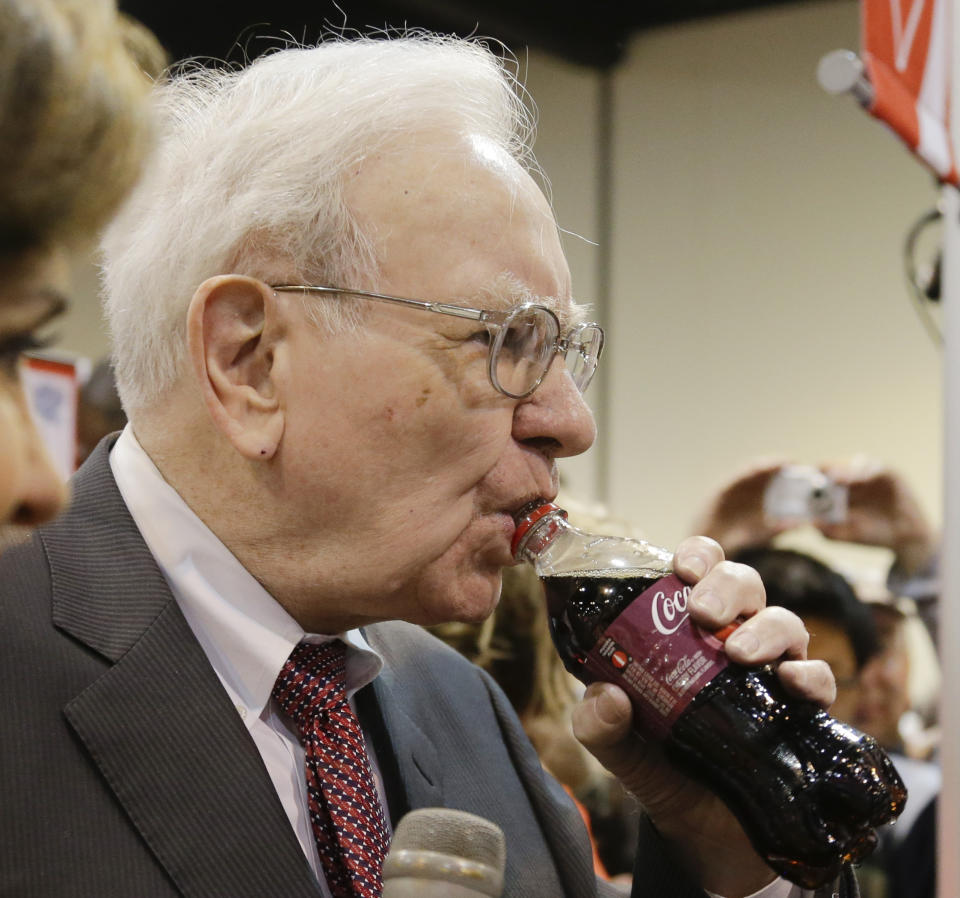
(126, 771)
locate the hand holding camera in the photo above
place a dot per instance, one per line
(801, 494)
(770, 497)
(882, 511)
(858, 501)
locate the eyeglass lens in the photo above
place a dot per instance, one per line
(523, 348)
(583, 354)
(525, 345)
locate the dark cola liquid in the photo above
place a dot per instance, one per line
(808, 790)
(582, 606)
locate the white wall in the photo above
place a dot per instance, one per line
(83, 330)
(758, 303)
(568, 150)
(757, 298)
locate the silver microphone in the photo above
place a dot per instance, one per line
(443, 853)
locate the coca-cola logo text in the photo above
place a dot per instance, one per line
(669, 610)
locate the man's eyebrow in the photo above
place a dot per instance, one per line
(506, 291)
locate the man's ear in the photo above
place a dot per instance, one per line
(233, 329)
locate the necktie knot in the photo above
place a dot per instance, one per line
(313, 682)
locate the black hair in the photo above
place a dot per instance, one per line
(807, 587)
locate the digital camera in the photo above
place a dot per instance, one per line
(804, 494)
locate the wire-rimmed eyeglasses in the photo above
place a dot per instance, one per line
(524, 339)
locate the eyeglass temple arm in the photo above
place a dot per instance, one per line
(441, 308)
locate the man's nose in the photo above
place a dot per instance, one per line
(556, 417)
(38, 491)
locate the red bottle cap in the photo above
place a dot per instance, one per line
(529, 516)
(725, 632)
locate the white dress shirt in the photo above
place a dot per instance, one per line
(247, 635)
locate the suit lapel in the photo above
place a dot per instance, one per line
(411, 767)
(158, 723)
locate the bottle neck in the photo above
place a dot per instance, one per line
(545, 539)
(536, 528)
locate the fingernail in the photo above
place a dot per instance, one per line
(800, 678)
(710, 603)
(744, 642)
(607, 708)
(697, 565)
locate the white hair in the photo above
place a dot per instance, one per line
(247, 178)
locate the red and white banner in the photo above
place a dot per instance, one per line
(906, 46)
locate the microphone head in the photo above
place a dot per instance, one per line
(448, 846)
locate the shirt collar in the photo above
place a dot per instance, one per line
(246, 634)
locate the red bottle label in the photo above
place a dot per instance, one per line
(657, 655)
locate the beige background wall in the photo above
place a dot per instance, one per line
(757, 301)
(756, 292)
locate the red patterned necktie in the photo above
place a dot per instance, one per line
(345, 811)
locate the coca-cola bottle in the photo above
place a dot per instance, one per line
(808, 790)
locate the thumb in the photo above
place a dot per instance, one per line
(601, 722)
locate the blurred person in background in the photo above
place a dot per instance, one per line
(895, 707)
(73, 133)
(99, 410)
(841, 627)
(900, 686)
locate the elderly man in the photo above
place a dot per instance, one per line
(336, 300)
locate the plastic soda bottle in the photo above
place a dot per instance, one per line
(808, 790)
